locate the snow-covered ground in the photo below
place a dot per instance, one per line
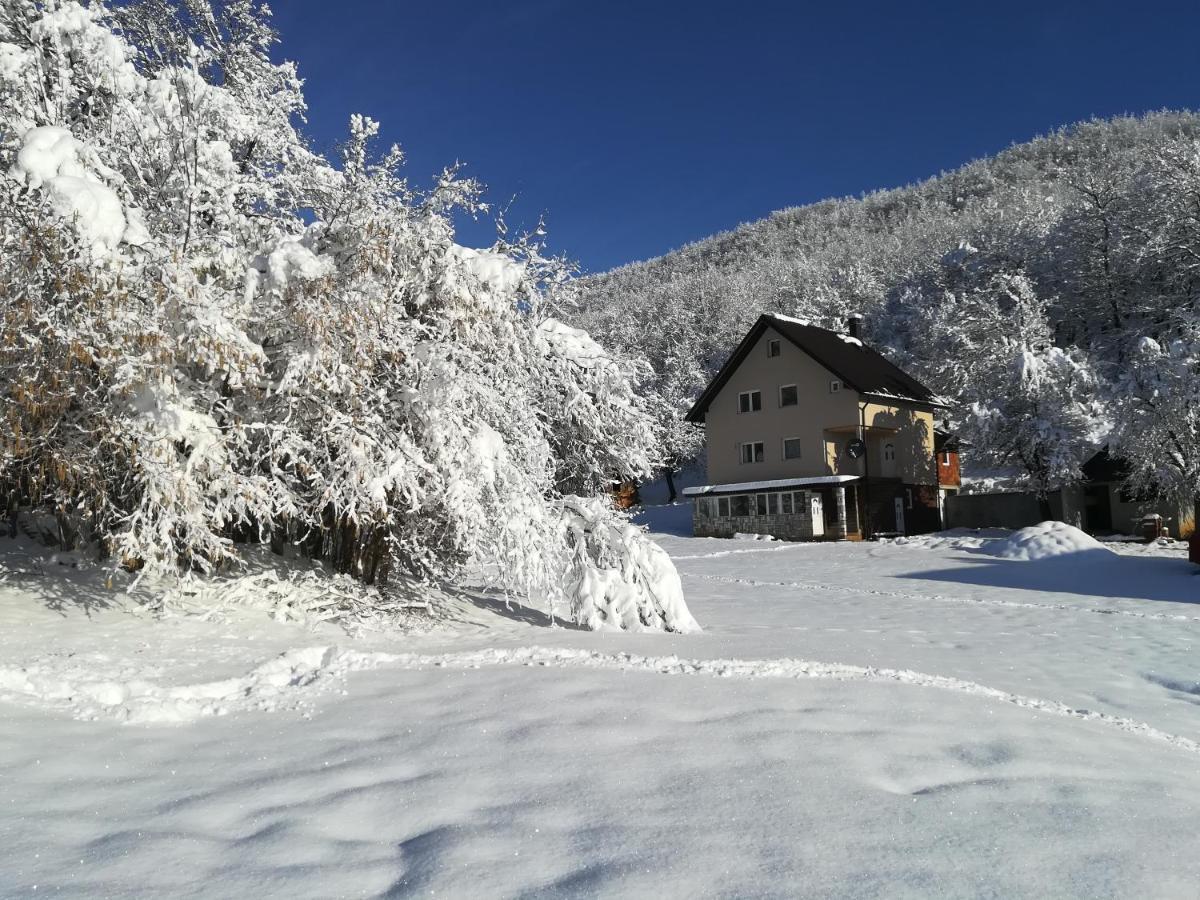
(925, 717)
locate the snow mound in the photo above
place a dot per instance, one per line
(951, 539)
(1048, 540)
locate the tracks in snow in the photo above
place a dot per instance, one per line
(285, 681)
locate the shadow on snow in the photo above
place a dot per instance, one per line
(1088, 573)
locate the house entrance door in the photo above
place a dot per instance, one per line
(1097, 509)
(900, 515)
(887, 460)
(818, 516)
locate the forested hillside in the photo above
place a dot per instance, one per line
(1050, 291)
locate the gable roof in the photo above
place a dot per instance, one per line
(858, 366)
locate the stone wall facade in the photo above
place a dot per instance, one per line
(796, 526)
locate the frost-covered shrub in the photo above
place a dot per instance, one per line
(187, 364)
(619, 579)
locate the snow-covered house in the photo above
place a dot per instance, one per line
(811, 434)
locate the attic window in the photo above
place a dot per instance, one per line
(773, 348)
(788, 395)
(835, 386)
(749, 401)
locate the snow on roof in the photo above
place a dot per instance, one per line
(782, 318)
(764, 485)
(858, 366)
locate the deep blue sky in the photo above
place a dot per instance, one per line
(639, 126)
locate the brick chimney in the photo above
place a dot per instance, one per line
(854, 325)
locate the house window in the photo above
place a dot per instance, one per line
(723, 506)
(788, 395)
(749, 401)
(791, 448)
(908, 497)
(752, 452)
(760, 504)
(946, 458)
(786, 500)
(772, 504)
(739, 506)
(889, 452)
(835, 386)
(772, 348)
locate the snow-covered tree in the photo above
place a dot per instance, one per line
(188, 362)
(1159, 422)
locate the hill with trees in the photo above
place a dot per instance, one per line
(1052, 292)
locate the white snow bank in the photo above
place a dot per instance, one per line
(1046, 541)
(952, 539)
(53, 159)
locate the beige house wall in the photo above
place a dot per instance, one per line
(913, 442)
(819, 409)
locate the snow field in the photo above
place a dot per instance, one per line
(905, 719)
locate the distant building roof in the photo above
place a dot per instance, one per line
(1103, 466)
(859, 367)
(945, 441)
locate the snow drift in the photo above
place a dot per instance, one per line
(1048, 540)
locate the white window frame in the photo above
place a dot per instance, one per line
(889, 448)
(749, 395)
(787, 505)
(835, 386)
(762, 452)
(783, 448)
(723, 501)
(774, 347)
(783, 405)
(945, 457)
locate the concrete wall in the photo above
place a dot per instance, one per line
(819, 409)
(1012, 510)
(1126, 517)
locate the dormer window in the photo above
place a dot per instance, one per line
(773, 348)
(835, 386)
(749, 401)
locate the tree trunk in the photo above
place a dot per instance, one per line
(670, 477)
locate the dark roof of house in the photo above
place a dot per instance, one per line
(1103, 466)
(945, 441)
(859, 367)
